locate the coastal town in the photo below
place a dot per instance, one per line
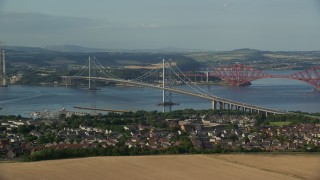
(153, 132)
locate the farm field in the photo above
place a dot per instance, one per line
(234, 166)
(280, 123)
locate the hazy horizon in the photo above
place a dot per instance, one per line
(278, 25)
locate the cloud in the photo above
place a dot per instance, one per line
(1, 4)
(37, 23)
(227, 3)
(317, 5)
(40, 29)
(148, 26)
(36, 29)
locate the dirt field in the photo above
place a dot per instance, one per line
(169, 167)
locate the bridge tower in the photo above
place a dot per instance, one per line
(91, 73)
(89, 79)
(166, 79)
(3, 78)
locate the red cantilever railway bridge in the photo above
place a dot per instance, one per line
(241, 75)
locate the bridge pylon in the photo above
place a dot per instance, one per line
(214, 105)
(166, 95)
(91, 72)
(3, 77)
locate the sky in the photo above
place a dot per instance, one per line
(151, 24)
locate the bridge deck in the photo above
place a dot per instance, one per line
(186, 92)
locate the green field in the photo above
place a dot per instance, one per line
(280, 123)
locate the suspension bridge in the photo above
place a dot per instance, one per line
(171, 74)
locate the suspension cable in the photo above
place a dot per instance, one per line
(103, 69)
(82, 69)
(201, 89)
(147, 74)
(186, 82)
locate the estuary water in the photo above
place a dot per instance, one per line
(282, 94)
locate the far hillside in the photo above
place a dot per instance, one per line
(190, 60)
(25, 56)
(261, 59)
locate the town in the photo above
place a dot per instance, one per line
(141, 133)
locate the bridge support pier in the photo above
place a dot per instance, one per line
(214, 105)
(265, 112)
(67, 81)
(207, 74)
(221, 105)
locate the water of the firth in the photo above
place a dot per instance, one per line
(282, 94)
